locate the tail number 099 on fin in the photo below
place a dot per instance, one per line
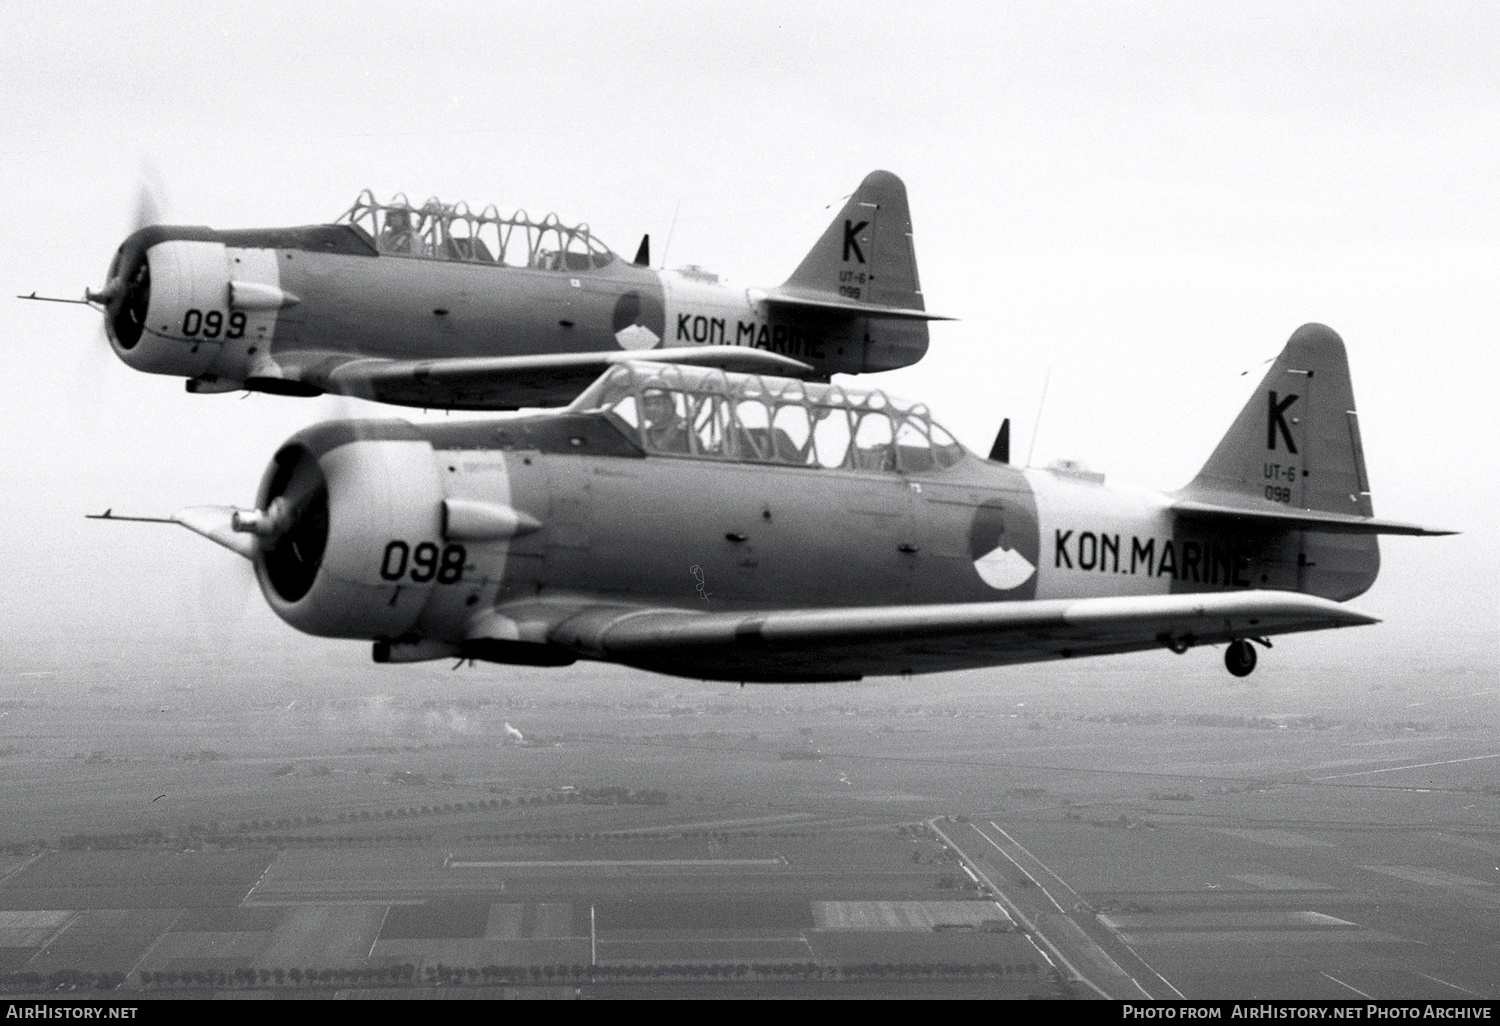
(426, 561)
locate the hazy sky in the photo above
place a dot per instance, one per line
(1146, 199)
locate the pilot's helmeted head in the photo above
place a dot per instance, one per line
(658, 409)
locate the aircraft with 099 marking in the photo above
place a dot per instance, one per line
(442, 308)
(736, 527)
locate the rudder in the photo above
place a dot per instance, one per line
(1296, 444)
(866, 254)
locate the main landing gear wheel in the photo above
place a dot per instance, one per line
(1239, 658)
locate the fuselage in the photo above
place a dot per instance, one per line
(635, 526)
(251, 309)
(630, 501)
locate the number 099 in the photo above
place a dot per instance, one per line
(197, 324)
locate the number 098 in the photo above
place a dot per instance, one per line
(423, 562)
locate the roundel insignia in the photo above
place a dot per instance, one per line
(633, 319)
(997, 539)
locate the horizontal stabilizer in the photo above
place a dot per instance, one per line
(1275, 516)
(785, 297)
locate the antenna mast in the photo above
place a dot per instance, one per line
(1038, 425)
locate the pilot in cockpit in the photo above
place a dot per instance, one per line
(664, 427)
(399, 235)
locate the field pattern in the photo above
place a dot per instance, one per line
(986, 834)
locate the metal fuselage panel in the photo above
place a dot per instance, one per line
(1106, 541)
(712, 536)
(404, 308)
(707, 313)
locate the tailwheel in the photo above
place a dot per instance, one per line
(1239, 658)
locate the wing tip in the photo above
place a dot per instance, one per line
(1354, 618)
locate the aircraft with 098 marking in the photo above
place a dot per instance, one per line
(745, 528)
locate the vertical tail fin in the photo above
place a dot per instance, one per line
(866, 254)
(1295, 446)
(1296, 442)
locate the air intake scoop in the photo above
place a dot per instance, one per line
(469, 520)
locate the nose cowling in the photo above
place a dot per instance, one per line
(127, 295)
(166, 304)
(291, 552)
(342, 512)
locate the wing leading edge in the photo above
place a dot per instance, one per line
(848, 643)
(499, 382)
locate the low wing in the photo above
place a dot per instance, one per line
(502, 382)
(822, 301)
(848, 643)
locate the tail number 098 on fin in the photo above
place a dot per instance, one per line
(426, 561)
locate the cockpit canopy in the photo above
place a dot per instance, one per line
(443, 231)
(677, 410)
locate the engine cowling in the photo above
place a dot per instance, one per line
(341, 505)
(181, 302)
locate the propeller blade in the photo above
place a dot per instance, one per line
(217, 613)
(91, 370)
(150, 206)
(94, 362)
